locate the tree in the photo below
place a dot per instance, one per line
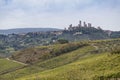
(62, 41)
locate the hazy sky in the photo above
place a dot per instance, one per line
(59, 13)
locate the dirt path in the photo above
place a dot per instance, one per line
(16, 61)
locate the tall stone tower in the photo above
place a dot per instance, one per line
(80, 24)
(85, 25)
(89, 25)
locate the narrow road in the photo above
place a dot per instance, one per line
(16, 61)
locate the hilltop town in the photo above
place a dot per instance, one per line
(83, 31)
(84, 24)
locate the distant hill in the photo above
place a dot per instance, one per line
(26, 30)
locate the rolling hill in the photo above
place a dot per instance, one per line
(7, 65)
(86, 60)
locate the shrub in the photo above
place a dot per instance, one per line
(115, 50)
(62, 41)
(67, 48)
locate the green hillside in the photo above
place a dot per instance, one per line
(93, 68)
(32, 55)
(49, 64)
(8, 65)
(87, 60)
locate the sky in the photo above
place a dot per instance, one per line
(59, 13)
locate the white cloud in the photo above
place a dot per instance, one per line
(58, 13)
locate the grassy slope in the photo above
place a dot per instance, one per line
(51, 63)
(87, 69)
(6, 65)
(79, 64)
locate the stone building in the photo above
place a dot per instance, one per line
(85, 25)
(89, 25)
(80, 24)
(71, 27)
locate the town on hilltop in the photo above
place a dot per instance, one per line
(86, 25)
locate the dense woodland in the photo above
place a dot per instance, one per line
(13, 42)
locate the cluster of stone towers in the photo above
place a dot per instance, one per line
(71, 27)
